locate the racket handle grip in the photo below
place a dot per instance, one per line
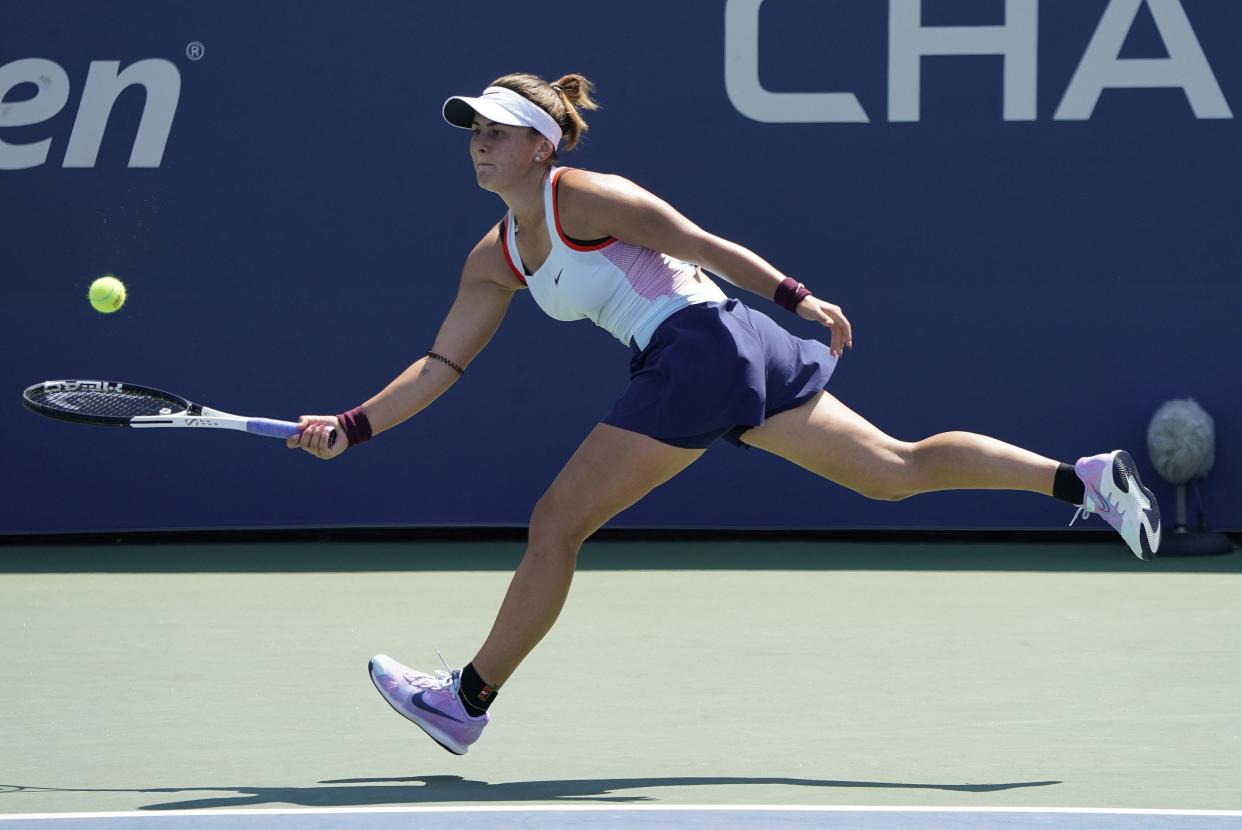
(280, 429)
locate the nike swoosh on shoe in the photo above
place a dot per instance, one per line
(419, 703)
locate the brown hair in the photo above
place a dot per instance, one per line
(562, 100)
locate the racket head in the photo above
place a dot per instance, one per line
(104, 402)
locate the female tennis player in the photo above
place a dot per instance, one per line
(703, 366)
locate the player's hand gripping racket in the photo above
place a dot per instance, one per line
(126, 405)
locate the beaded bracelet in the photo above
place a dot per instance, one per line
(447, 362)
(791, 292)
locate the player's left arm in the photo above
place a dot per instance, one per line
(602, 205)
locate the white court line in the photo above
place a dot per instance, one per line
(588, 808)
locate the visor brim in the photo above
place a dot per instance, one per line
(460, 112)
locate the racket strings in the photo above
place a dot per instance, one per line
(119, 404)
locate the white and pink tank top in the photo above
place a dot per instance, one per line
(625, 289)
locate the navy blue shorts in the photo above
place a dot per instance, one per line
(714, 370)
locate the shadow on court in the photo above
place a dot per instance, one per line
(429, 789)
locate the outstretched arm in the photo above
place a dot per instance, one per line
(604, 205)
(483, 297)
(471, 322)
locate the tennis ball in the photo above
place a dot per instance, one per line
(107, 294)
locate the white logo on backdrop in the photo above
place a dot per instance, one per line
(1017, 41)
(105, 81)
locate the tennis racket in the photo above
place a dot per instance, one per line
(114, 404)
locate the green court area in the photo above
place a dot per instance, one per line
(1045, 674)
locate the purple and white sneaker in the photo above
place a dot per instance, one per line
(431, 701)
(1116, 495)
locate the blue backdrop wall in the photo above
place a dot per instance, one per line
(1038, 241)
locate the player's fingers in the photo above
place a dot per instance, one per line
(295, 441)
(834, 340)
(315, 436)
(307, 425)
(843, 327)
(841, 336)
(307, 440)
(326, 449)
(319, 439)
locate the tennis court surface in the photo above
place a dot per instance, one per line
(749, 683)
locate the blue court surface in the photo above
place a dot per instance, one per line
(555, 817)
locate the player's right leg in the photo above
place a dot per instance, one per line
(610, 471)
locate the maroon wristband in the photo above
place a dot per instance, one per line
(790, 292)
(355, 425)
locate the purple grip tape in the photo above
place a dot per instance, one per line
(279, 429)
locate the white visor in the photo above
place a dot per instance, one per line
(504, 106)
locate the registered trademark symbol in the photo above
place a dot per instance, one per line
(195, 50)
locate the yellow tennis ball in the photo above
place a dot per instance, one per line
(107, 294)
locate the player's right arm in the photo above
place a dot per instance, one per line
(483, 296)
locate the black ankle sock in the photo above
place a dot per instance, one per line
(1067, 486)
(474, 692)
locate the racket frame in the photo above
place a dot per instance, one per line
(191, 415)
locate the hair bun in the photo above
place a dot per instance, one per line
(577, 89)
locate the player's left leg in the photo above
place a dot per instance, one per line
(828, 438)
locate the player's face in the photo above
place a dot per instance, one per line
(501, 154)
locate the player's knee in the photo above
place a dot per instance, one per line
(553, 532)
(553, 547)
(896, 478)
